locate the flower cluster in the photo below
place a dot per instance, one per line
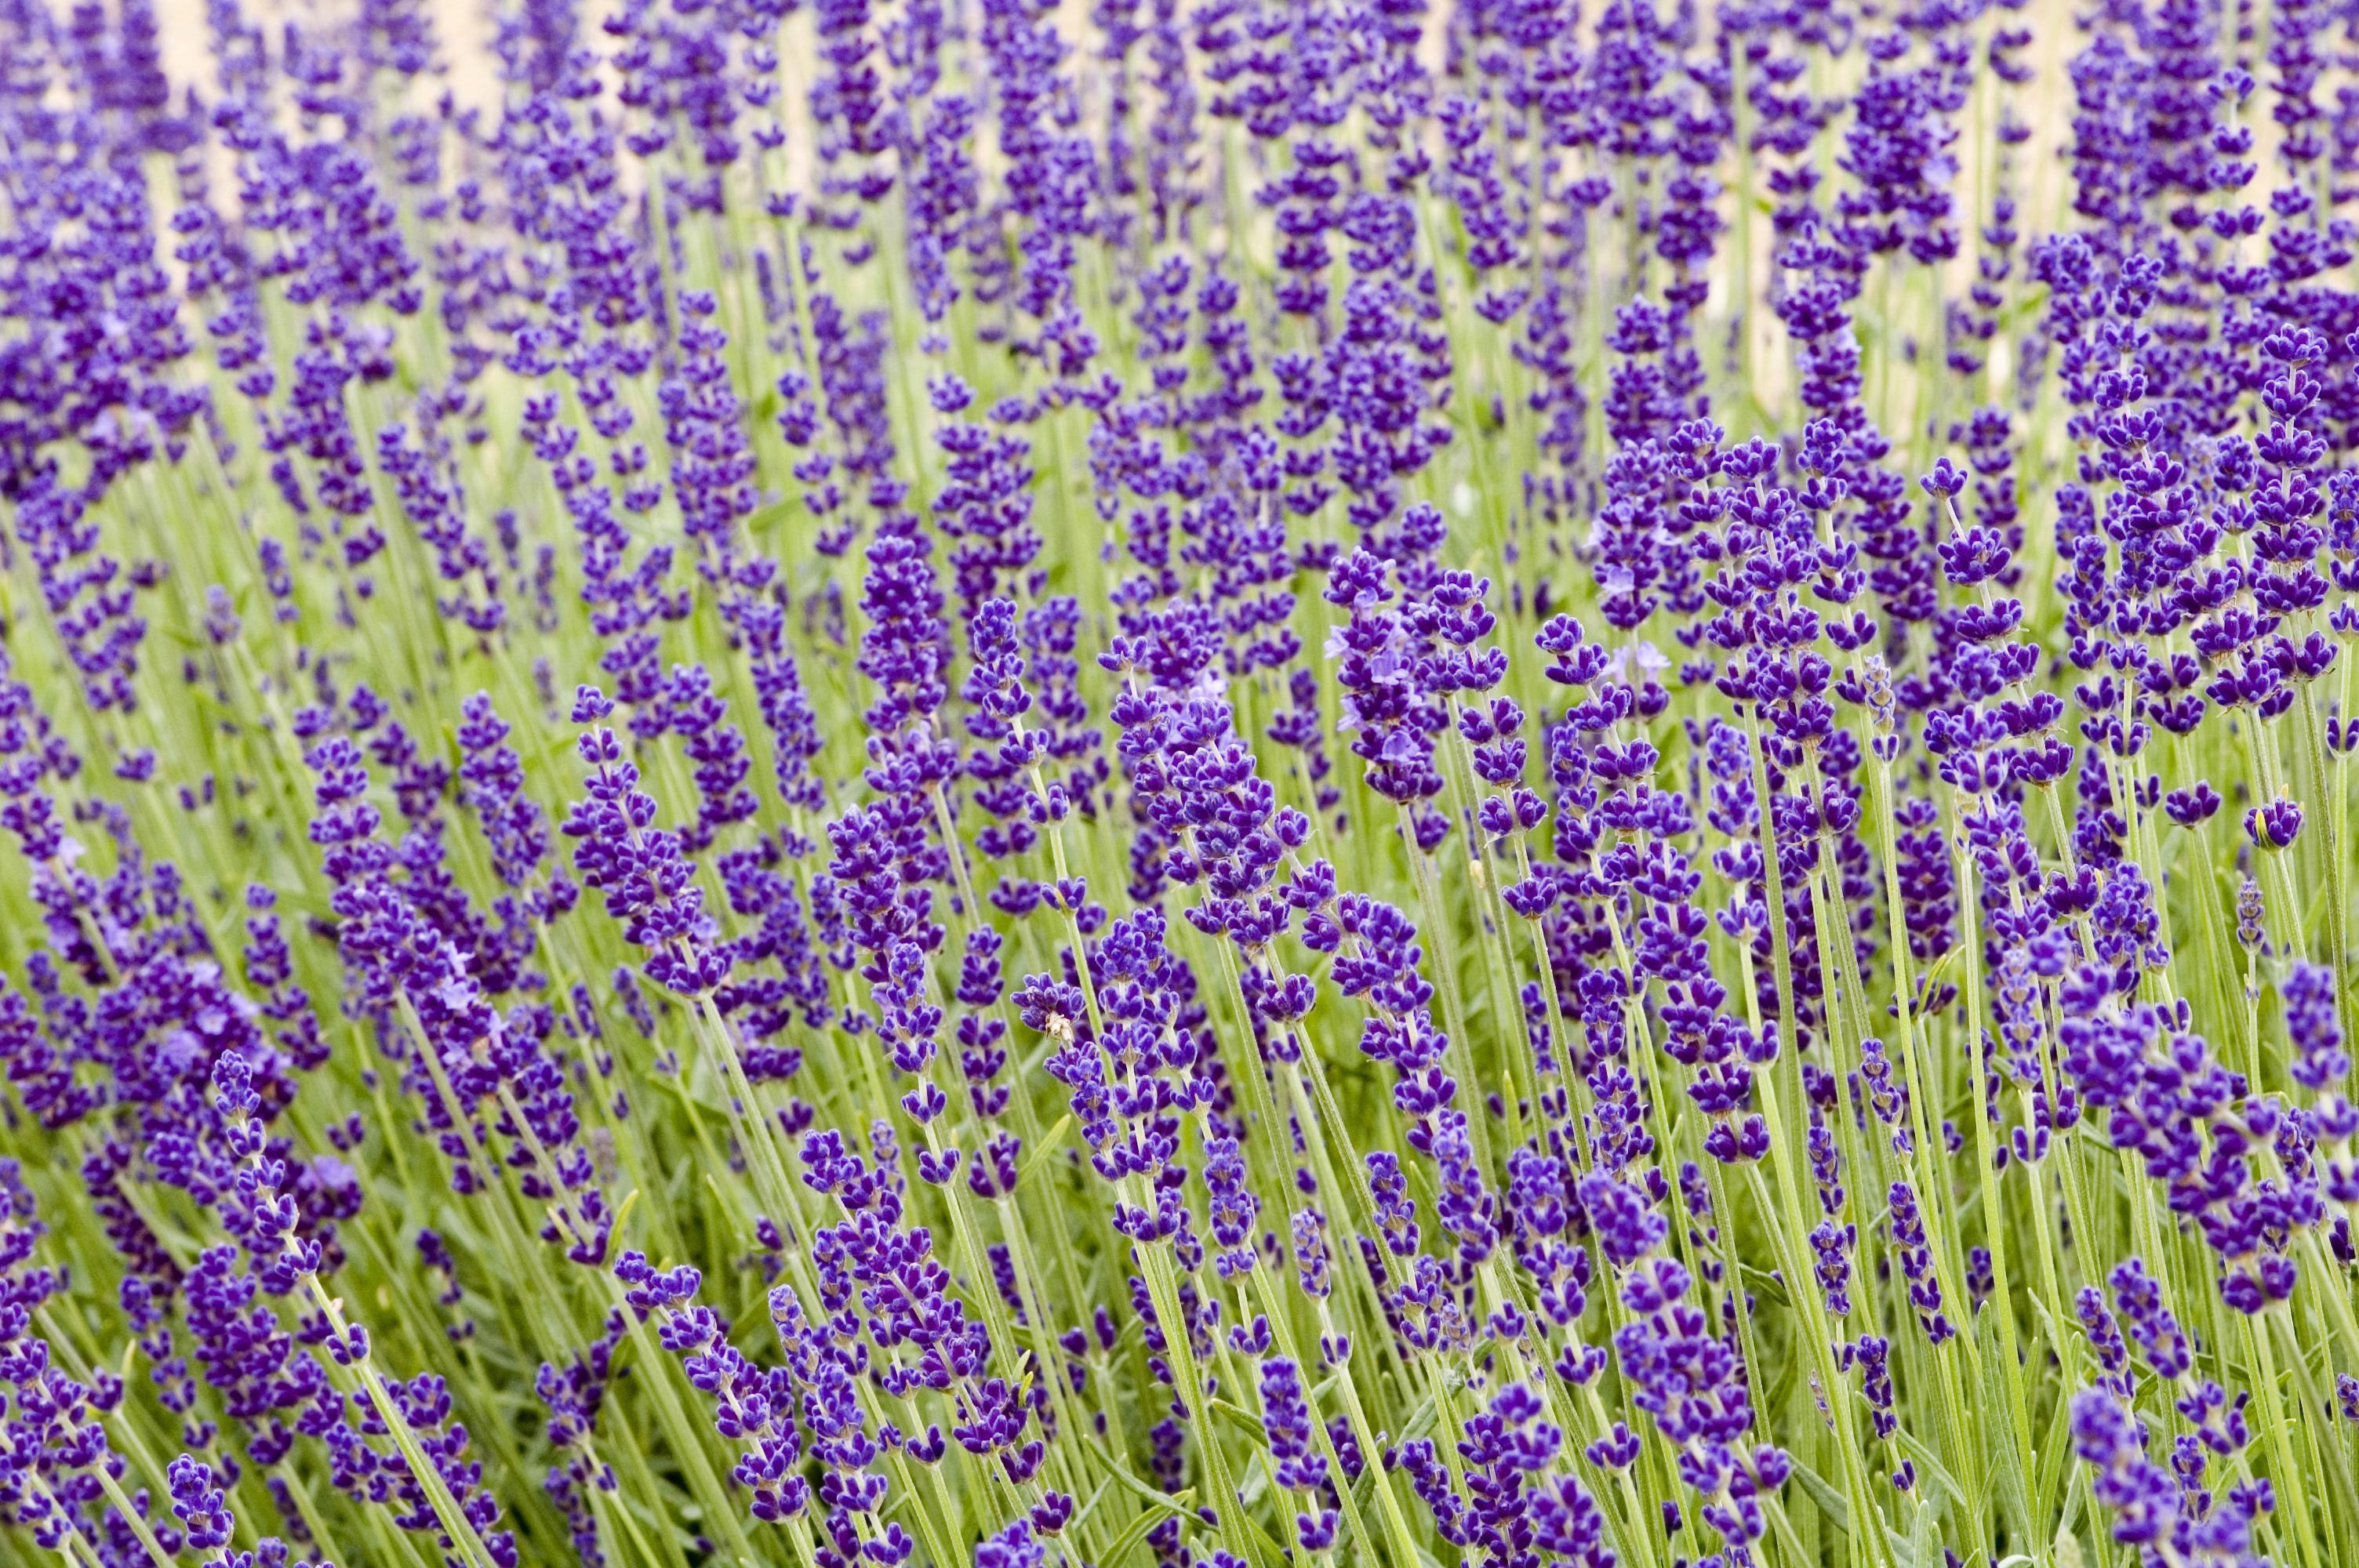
(1211, 781)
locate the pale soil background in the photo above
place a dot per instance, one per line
(2038, 176)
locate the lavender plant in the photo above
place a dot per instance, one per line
(1184, 784)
